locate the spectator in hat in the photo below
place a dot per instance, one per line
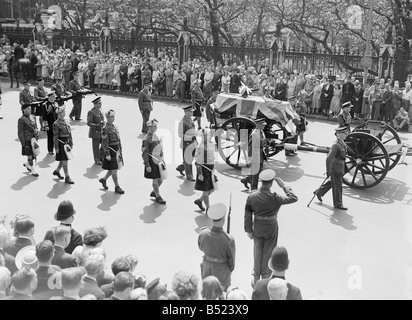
(24, 282)
(336, 102)
(344, 117)
(112, 149)
(8, 259)
(65, 214)
(180, 85)
(278, 264)
(26, 257)
(335, 169)
(62, 139)
(357, 100)
(186, 285)
(218, 247)
(277, 289)
(48, 275)
(24, 226)
(71, 281)
(326, 96)
(75, 90)
(212, 289)
(145, 105)
(263, 229)
(95, 121)
(5, 282)
(155, 289)
(62, 238)
(123, 285)
(94, 265)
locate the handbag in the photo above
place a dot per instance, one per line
(36, 147)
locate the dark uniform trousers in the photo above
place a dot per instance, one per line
(49, 115)
(256, 145)
(95, 121)
(76, 112)
(335, 165)
(188, 147)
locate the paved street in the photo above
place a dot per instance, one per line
(364, 253)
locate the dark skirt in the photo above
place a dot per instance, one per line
(27, 149)
(61, 155)
(207, 183)
(112, 164)
(155, 174)
(39, 111)
(198, 109)
(301, 127)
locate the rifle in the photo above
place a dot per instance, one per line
(228, 214)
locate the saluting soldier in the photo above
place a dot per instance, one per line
(256, 154)
(152, 154)
(95, 120)
(218, 247)
(27, 130)
(145, 104)
(261, 225)
(50, 116)
(344, 116)
(59, 89)
(40, 95)
(112, 145)
(62, 136)
(335, 169)
(187, 134)
(74, 89)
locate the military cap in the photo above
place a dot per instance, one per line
(25, 106)
(110, 113)
(341, 129)
(40, 79)
(97, 100)
(26, 83)
(267, 175)
(347, 104)
(216, 211)
(61, 109)
(152, 123)
(188, 108)
(50, 93)
(260, 121)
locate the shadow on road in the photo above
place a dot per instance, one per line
(109, 199)
(202, 221)
(77, 123)
(152, 212)
(23, 182)
(46, 161)
(93, 173)
(58, 189)
(338, 217)
(187, 188)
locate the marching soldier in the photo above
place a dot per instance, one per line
(256, 154)
(25, 95)
(187, 133)
(40, 95)
(197, 99)
(335, 169)
(145, 105)
(344, 116)
(50, 116)
(62, 136)
(112, 148)
(74, 89)
(218, 247)
(60, 90)
(152, 154)
(95, 121)
(27, 130)
(261, 210)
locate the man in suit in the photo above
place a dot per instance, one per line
(326, 97)
(74, 89)
(9, 259)
(123, 284)
(145, 105)
(95, 120)
(24, 282)
(62, 237)
(24, 226)
(94, 265)
(65, 214)
(278, 263)
(71, 280)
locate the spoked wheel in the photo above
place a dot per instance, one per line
(232, 139)
(276, 135)
(367, 161)
(388, 136)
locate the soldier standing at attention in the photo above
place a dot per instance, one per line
(95, 120)
(25, 96)
(50, 116)
(197, 99)
(344, 116)
(27, 130)
(152, 154)
(62, 136)
(111, 145)
(218, 247)
(145, 105)
(261, 225)
(74, 88)
(187, 134)
(40, 95)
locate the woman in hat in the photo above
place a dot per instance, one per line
(27, 130)
(62, 136)
(336, 101)
(152, 154)
(112, 148)
(205, 162)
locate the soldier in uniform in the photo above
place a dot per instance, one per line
(197, 99)
(209, 105)
(145, 105)
(95, 121)
(187, 134)
(344, 116)
(27, 130)
(261, 210)
(25, 95)
(152, 154)
(218, 247)
(62, 136)
(335, 169)
(111, 146)
(74, 89)
(256, 154)
(60, 90)
(50, 116)
(40, 95)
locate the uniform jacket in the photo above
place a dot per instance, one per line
(187, 132)
(61, 129)
(260, 291)
(335, 161)
(264, 203)
(95, 121)
(26, 129)
(150, 147)
(15, 245)
(110, 137)
(26, 97)
(59, 89)
(75, 240)
(39, 93)
(74, 88)
(145, 101)
(63, 259)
